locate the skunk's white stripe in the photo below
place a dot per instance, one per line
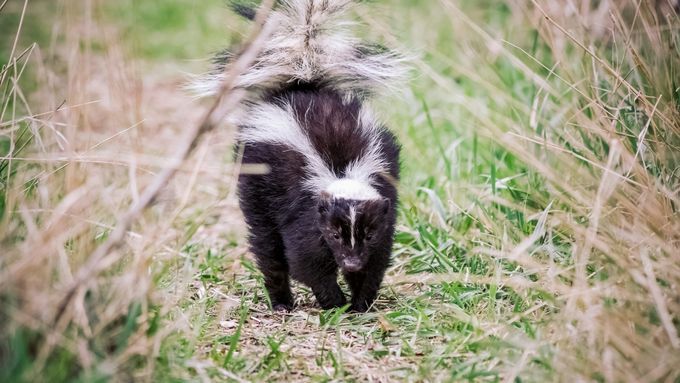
(349, 188)
(268, 123)
(277, 125)
(367, 121)
(370, 163)
(352, 220)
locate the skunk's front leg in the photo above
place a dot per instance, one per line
(327, 292)
(365, 285)
(323, 282)
(311, 263)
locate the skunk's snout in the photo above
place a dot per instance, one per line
(351, 264)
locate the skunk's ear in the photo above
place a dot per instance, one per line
(377, 208)
(324, 202)
(385, 205)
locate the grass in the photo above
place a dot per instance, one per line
(538, 228)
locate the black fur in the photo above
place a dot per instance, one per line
(293, 230)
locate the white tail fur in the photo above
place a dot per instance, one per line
(311, 44)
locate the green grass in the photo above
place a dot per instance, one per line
(537, 227)
(175, 30)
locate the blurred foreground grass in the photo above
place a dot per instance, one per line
(538, 235)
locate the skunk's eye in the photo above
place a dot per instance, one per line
(336, 236)
(369, 236)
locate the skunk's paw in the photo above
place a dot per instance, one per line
(282, 308)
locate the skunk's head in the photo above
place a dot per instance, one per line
(353, 229)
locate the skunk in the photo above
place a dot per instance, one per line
(328, 201)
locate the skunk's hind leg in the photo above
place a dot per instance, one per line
(267, 245)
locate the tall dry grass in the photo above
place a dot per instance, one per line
(89, 145)
(615, 184)
(603, 135)
(624, 219)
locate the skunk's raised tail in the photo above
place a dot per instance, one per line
(310, 45)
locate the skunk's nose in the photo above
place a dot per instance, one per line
(351, 264)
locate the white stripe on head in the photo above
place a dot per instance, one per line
(352, 220)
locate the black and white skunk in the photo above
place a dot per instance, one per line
(329, 199)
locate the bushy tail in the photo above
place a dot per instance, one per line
(311, 44)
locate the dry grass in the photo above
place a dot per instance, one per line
(539, 235)
(602, 131)
(91, 157)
